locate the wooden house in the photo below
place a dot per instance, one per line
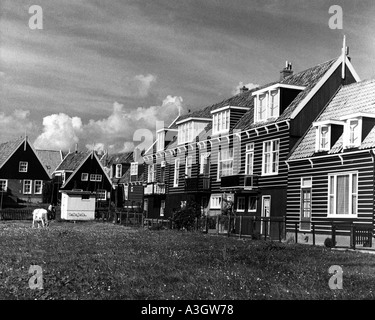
(331, 169)
(22, 174)
(83, 171)
(236, 149)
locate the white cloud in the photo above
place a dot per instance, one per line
(60, 132)
(143, 83)
(250, 86)
(114, 133)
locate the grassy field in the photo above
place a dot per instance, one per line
(105, 261)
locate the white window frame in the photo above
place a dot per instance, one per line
(274, 157)
(23, 166)
(221, 122)
(306, 183)
(238, 204)
(189, 166)
(95, 177)
(118, 172)
(36, 182)
(249, 154)
(216, 201)
(84, 176)
(151, 173)
(357, 133)
(101, 192)
(134, 169)
(161, 141)
(205, 161)
(319, 137)
(176, 172)
(186, 132)
(333, 195)
(5, 185)
(30, 183)
(162, 208)
(249, 204)
(269, 103)
(228, 153)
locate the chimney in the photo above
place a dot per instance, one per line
(76, 148)
(287, 71)
(244, 89)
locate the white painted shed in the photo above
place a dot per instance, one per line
(77, 205)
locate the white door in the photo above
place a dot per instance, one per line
(266, 212)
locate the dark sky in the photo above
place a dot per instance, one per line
(100, 70)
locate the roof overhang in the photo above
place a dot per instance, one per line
(277, 86)
(228, 108)
(193, 119)
(328, 122)
(358, 115)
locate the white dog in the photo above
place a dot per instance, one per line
(40, 215)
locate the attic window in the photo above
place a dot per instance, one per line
(134, 169)
(221, 122)
(267, 105)
(323, 138)
(160, 142)
(118, 173)
(23, 166)
(352, 135)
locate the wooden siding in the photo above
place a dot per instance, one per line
(322, 167)
(312, 109)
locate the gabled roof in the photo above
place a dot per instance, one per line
(73, 160)
(8, 148)
(307, 78)
(350, 99)
(116, 158)
(50, 159)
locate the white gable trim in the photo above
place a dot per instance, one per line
(322, 81)
(80, 165)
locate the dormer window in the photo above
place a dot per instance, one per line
(189, 128)
(134, 169)
(118, 172)
(353, 133)
(221, 122)
(327, 133)
(324, 138)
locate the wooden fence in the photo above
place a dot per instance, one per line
(16, 214)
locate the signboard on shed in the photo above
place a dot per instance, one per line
(77, 205)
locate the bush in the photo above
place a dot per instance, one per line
(185, 216)
(328, 242)
(256, 235)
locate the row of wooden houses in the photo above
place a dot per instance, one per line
(300, 148)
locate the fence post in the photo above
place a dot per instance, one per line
(229, 226)
(196, 224)
(217, 224)
(333, 234)
(265, 228)
(353, 236)
(296, 231)
(240, 228)
(279, 231)
(313, 231)
(207, 223)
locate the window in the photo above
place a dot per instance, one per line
(267, 105)
(38, 185)
(241, 204)
(221, 122)
(204, 167)
(274, 104)
(342, 194)
(225, 163)
(271, 157)
(101, 194)
(176, 172)
(249, 160)
(23, 166)
(162, 208)
(151, 173)
(323, 138)
(134, 169)
(84, 176)
(352, 133)
(306, 184)
(126, 192)
(186, 132)
(252, 204)
(262, 107)
(188, 167)
(215, 201)
(27, 186)
(118, 172)
(3, 185)
(162, 174)
(96, 177)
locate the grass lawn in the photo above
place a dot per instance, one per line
(96, 260)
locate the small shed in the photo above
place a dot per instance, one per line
(77, 205)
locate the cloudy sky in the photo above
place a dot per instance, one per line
(100, 70)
